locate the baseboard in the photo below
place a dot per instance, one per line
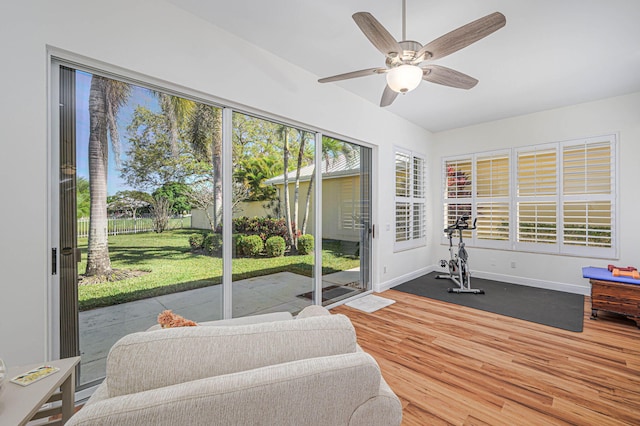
(531, 282)
(386, 285)
(512, 279)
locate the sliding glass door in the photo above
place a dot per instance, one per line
(140, 195)
(143, 178)
(346, 219)
(273, 216)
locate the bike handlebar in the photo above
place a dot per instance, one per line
(460, 224)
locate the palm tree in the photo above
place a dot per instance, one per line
(287, 207)
(105, 99)
(205, 136)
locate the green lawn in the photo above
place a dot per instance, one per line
(172, 267)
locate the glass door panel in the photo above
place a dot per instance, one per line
(273, 205)
(346, 220)
(139, 190)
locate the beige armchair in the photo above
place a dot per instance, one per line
(278, 371)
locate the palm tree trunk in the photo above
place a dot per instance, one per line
(98, 262)
(296, 192)
(217, 165)
(287, 209)
(303, 228)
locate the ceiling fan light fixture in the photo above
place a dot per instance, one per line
(404, 78)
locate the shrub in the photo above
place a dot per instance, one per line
(263, 226)
(305, 244)
(196, 241)
(236, 242)
(213, 243)
(275, 246)
(252, 245)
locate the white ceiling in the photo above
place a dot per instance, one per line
(551, 53)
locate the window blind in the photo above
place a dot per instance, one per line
(552, 198)
(492, 196)
(410, 212)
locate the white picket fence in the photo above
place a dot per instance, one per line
(128, 225)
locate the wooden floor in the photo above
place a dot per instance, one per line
(455, 365)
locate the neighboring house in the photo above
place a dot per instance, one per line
(340, 199)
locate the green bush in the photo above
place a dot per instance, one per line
(252, 245)
(305, 244)
(263, 226)
(236, 242)
(196, 241)
(275, 246)
(213, 243)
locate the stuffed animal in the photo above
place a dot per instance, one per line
(168, 319)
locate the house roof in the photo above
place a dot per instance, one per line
(338, 166)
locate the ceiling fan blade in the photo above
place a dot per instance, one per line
(353, 74)
(388, 96)
(377, 34)
(463, 36)
(448, 77)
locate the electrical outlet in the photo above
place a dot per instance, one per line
(513, 265)
(384, 269)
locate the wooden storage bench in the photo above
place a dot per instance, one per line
(620, 298)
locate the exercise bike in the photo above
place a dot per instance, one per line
(458, 266)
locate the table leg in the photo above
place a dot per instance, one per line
(68, 390)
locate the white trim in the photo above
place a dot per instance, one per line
(510, 279)
(531, 282)
(387, 285)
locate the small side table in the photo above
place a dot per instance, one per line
(619, 298)
(21, 404)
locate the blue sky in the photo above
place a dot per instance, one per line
(139, 96)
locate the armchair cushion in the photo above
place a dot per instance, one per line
(154, 359)
(302, 393)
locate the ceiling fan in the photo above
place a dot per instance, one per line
(408, 62)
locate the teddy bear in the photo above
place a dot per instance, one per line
(168, 319)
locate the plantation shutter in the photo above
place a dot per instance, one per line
(457, 191)
(588, 195)
(537, 189)
(418, 198)
(552, 198)
(410, 226)
(492, 198)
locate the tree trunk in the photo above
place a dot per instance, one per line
(296, 191)
(287, 209)
(98, 262)
(303, 228)
(217, 165)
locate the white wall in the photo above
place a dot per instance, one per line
(619, 115)
(154, 39)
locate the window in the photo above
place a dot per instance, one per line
(563, 197)
(478, 186)
(410, 228)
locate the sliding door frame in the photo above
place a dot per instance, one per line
(56, 59)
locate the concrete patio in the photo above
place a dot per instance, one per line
(101, 328)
